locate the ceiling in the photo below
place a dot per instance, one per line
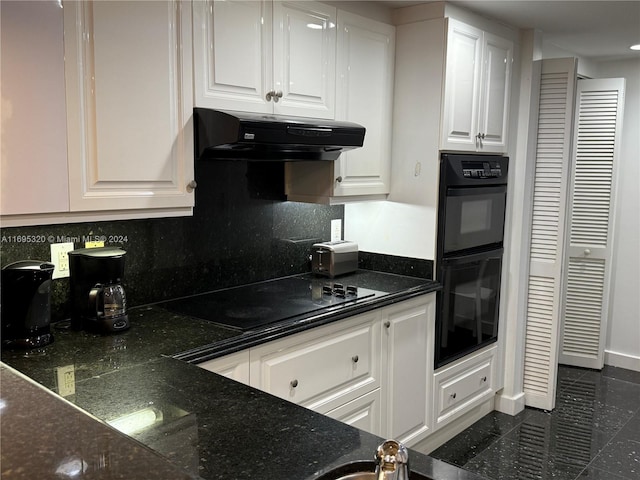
(593, 29)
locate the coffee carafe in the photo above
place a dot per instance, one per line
(98, 299)
(26, 304)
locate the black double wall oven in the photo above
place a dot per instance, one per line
(471, 214)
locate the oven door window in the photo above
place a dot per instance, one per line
(468, 314)
(474, 217)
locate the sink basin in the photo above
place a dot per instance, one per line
(363, 470)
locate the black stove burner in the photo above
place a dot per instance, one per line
(251, 306)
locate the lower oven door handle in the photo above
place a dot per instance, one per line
(475, 257)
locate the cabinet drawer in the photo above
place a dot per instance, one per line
(324, 370)
(364, 413)
(463, 386)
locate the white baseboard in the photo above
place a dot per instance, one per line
(622, 360)
(511, 405)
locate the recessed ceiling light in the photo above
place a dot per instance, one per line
(635, 47)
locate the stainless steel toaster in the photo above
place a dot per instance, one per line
(334, 258)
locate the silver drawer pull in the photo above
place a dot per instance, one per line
(293, 383)
(355, 359)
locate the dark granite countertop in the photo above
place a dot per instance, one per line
(45, 437)
(205, 424)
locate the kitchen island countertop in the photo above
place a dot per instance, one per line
(206, 425)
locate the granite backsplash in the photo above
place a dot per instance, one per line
(242, 231)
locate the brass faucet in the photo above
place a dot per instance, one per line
(392, 460)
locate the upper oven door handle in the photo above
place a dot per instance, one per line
(477, 191)
(475, 257)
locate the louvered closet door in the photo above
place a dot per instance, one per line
(550, 196)
(588, 260)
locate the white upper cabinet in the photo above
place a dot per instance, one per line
(304, 59)
(129, 105)
(477, 90)
(364, 95)
(233, 66)
(265, 56)
(34, 147)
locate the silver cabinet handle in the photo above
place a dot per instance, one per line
(273, 95)
(587, 252)
(293, 383)
(191, 186)
(355, 359)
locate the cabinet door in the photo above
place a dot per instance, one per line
(34, 151)
(364, 413)
(364, 95)
(234, 366)
(497, 56)
(409, 353)
(462, 87)
(323, 368)
(129, 104)
(304, 59)
(232, 52)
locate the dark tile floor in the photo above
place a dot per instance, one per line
(592, 434)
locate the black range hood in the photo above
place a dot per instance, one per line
(231, 135)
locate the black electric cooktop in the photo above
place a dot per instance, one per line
(252, 306)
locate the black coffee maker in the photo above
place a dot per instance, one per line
(98, 300)
(26, 304)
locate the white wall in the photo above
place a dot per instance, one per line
(623, 328)
(586, 67)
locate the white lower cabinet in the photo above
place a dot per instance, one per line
(234, 366)
(464, 385)
(321, 368)
(408, 347)
(373, 371)
(364, 412)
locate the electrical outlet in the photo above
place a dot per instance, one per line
(60, 258)
(336, 230)
(66, 380)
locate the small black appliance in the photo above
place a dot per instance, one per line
(98, 299)
(26, 304)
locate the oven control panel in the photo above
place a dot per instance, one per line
(477, 169)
